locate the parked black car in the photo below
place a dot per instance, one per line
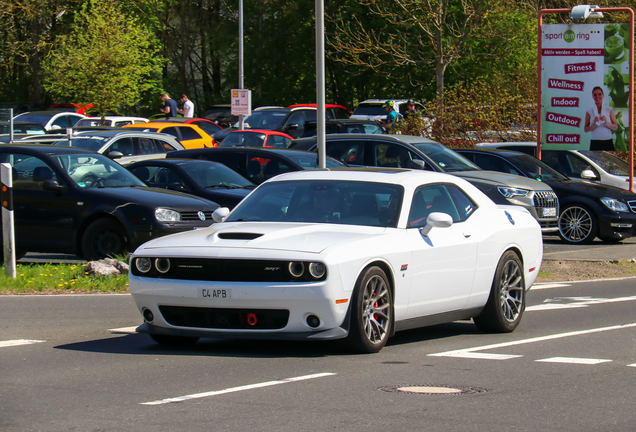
(406, 151)
(22, 127)
(76, 201)
(257, 164)
(587, 210)
(206, 179)
(345, 126)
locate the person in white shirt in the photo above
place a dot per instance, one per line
(188, 107)
(600, 121)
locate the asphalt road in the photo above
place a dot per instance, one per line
(570, 366)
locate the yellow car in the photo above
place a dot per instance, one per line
(189, 135)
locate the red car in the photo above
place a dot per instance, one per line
(333, 111)
(208, 126)
(256, 138)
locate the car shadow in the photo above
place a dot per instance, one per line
(142, 344)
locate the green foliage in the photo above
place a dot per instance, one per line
(107, 59)
(58, 278)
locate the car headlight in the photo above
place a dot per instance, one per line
(143, 264)
(317, 270)
(614, 204)
(511, 192)
(167, 215)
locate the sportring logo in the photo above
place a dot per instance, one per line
(569, 36)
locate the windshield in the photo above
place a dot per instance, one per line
(269, 119)
(215, 176)
(323, 201)
(35, 118)
(244, 139)
(610, 163)
(446, 158)
(370, 110)
(536, 169)
(90, 171)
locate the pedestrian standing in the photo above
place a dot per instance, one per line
(188, 107)
(170, 108)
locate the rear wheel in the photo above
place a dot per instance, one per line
(174, 341)
(507, 300)
(371, 312)
(103, 238)
(577, 225)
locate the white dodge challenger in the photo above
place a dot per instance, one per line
(354, 254)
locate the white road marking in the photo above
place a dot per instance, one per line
(543, 285)
(18, 342)
(124, 330)
(482, 356)
(237, 389)
(573, 360)
(579, 302)
(464, 352)
(632, 365)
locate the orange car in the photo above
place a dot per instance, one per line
(189, 135)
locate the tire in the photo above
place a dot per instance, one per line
(103, 238)
(577, 225)
(371, 312)
(174, 341)
(611, 240)
(507, 300)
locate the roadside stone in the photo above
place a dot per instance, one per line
(106, 267)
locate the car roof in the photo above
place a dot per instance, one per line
(44, 149)
(179, 120)
(281, 152)
(505, 152)
(376, 101)
(408, 139)
(175, 161)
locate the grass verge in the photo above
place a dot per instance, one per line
(59, 279)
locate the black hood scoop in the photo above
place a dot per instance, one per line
(239, 236)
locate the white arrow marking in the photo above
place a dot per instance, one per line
(18, 342)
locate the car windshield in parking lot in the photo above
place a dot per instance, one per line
(323, 201)
(610, 163)
(449, 160)
(91, 171)
(267, 119)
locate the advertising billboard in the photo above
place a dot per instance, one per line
(585, 86)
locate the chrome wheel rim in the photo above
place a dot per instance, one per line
(376, 309)
(511, 292)
(575, 224)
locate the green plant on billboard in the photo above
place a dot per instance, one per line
(616, 84)
(620, 136)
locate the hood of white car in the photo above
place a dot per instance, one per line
(311, 238)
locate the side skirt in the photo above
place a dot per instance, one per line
(442, 318)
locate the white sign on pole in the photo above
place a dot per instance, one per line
(585, 86)
(241, 102)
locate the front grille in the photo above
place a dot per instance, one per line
(226, 270)
(223, 318)
(545, 199)
(632, 206)
(189, 216)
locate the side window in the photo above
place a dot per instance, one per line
(148, 146)
(171, 131)
(349, 152)
(577, 165)
(493, 163)
(296, 118)
(74, 119)
(442, 198)
(28, 172)
(230, 160)
(189, 134)
(163, 146)
(392, 155)
(165, 176)
(61, 122)
(277, 141)
(122, 145)
(270, 167)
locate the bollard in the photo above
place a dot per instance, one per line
(8, 226)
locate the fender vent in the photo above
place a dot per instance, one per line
(239, 236)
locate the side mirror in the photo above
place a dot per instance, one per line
(220, 214)
(588, 175)
(177, 186)
(52, 185)
(115, 154)
(436, 220)
(418, 164)
(291, 126)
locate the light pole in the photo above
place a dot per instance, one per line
(320, 82)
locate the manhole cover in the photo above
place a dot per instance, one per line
(431, 389)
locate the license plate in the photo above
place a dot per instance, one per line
(550, 211)
(215, 293)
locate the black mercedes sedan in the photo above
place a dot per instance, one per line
(587, 210)
(206, 179)
(71, 200)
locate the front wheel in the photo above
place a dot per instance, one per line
(577, 225)
(371, 312)
(103, 238)
(507, 300)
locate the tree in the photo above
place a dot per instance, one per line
(107, 60)
(409, 33)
